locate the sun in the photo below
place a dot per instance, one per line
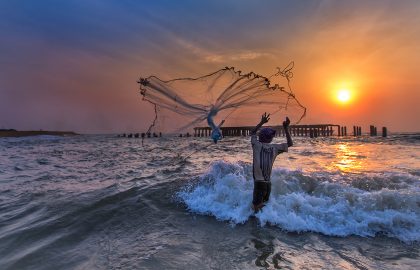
(343, 95)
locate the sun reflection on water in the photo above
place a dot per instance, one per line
(348, 159)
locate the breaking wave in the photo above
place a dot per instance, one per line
(346, 205)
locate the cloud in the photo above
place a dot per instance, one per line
(205, 55)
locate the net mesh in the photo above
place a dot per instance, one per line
(238, 98)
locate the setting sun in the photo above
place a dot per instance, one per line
(343, 95)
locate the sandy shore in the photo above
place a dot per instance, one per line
(15, 133)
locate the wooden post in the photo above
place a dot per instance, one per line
(384, 132)
(373, 131)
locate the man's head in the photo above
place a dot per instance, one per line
(266, 135)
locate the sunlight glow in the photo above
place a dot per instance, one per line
(347, 159)
(343, 95)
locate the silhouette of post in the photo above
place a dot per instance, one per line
(384, 132)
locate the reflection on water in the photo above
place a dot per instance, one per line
(100, 202)
(348, 159)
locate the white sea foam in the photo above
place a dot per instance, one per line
(301, 202)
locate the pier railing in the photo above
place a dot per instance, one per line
(313, 131)
(323, 130)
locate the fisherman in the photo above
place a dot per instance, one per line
(264, 154)
(216, 133)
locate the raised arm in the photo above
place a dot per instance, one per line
(286, 131)
(264, 119)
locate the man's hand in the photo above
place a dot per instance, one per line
(286, 123)
(265, 118)
(286, 130)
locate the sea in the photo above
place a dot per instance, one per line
(106, 202)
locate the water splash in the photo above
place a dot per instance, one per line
(304, 203)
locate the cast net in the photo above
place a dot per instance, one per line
(184, 103)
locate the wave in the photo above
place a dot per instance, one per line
(301, 202)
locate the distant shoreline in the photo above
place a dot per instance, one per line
(16, 133)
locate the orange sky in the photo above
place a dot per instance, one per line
(74, 65)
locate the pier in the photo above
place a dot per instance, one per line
(312, 131)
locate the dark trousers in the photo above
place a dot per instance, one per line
(262, 190)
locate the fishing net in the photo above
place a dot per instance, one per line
(240, 99)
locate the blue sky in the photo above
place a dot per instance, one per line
(73, 65)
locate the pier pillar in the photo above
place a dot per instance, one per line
(384, 132)
(372, 130)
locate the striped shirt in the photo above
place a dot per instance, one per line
(264, 155)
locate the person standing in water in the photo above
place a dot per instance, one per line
(216, 133)
(264, 154)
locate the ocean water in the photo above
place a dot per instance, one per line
(102, 202)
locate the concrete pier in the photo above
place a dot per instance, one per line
(321, 130)
(384, 132)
